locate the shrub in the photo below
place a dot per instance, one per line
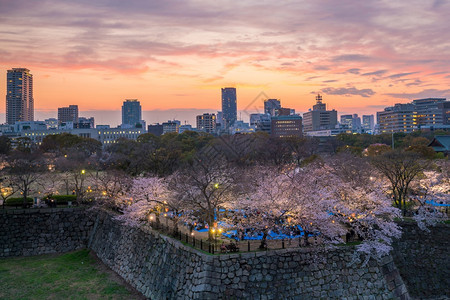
(18, 201)
(62, 199)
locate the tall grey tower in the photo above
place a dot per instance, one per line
(229, 107)
(19, 96)
(131, 112)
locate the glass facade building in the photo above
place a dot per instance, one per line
(229, 106)
(131, 112)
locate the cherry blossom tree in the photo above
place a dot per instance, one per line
(280, 200)
(147, 195)
(322, 203)
(363, 203)
(265, 205)
(431, 192)
(203, 187)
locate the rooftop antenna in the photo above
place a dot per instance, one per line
(319, 99)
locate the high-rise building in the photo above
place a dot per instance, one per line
(240, 127)
(156, 129)
(185, 127)
(19, 96)
(368, 123)
(319, 118)
(397, 118)
(171, 126)
(445, 108)
(284, 111)
(219, 118)
(421, 113)
(428, 111)
(131, 112)
(68, 114)
(356, 123)
(52, 123)
(206, 123)
(262, 122)
(287, 126)
(229, 106)
(271, 105)
(346, 121)
(85, 123)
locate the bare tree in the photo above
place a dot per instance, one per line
(7, 189)
(110, 185)
(74, 171)
(25, 172)
(400, 168)
(302, 148)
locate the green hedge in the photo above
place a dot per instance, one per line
(18, 201)
(63, 199)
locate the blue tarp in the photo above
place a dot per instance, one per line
(434, 203)
(258, 236)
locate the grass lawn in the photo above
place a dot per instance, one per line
(75, 275)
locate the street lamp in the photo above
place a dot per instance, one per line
(213, 231)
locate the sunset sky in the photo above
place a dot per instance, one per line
(175, 55)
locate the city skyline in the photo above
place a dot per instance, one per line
(361, 56)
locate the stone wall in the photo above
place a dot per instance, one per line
(423, 259)
(26, 232)
(163, 268)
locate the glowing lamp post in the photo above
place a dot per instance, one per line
(213, 231)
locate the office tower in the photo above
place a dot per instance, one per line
(206, 123)
(262, 122)
(319, 118)
(84, 123)
(156, 129)
(219, 120)
(271, 106)
(397, 118)
(368, 123)
(19, 96)
(185, 127)
(52, 123)
(284, 111)
(131, 112)
(346, 121)
(171, 126)
(427, 113)
(229, 107)
(356, 123)
(287, 126)
(445, 108)
(68, 114)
